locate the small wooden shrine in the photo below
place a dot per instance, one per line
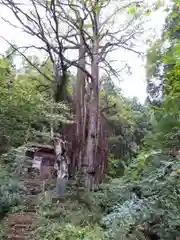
(41, 154)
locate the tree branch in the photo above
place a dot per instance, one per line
(17, 50)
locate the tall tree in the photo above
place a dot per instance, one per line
(166, 71)
(88, 28)
(161, 56)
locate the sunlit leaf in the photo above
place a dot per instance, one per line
(132, 10)
(174, 15)
(97, 9)
(88, 26)
(158, 4)
(148, 12)
(4, 63)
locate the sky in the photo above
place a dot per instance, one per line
(133, 85)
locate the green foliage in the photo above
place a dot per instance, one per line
(10, 192)
(22, 105)
(165, 117)
(145, 198)
(128, 123)
(152, 179)
(115, 167)
(132, 11)
(113, 194)
(69, 232)
(153, 57)
(68, 220)
(153, 201)
(19, 106)
(165, 133)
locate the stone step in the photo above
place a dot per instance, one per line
(30, 210)
(15, 237)
(18, 236)
(20, 225)
(31, 199)
(21, 219)
(21, 232)
(32, 182)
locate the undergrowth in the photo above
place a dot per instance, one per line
(69, 219)
(152, 207)
(143, 204)
(10, 193)
(11, 190)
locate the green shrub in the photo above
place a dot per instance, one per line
(68, 220)
(10, 192)
(12, 164)
(69, 232)
(115, 167)
(70, 211)
(155, 206)
(15, 160)
(111, 194)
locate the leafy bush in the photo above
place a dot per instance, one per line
(111, 194)
(69, 232)
(155, 206)
(10, 192)
(115, 167)
(69, 211)
(68, 220)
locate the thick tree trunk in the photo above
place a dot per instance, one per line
(88, 117)
(79, 134)
(88, 154)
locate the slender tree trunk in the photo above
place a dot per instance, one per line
(61, 166)
(88, 150)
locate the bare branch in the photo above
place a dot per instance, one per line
(26, 58)
(83, 13)
(118, 10)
